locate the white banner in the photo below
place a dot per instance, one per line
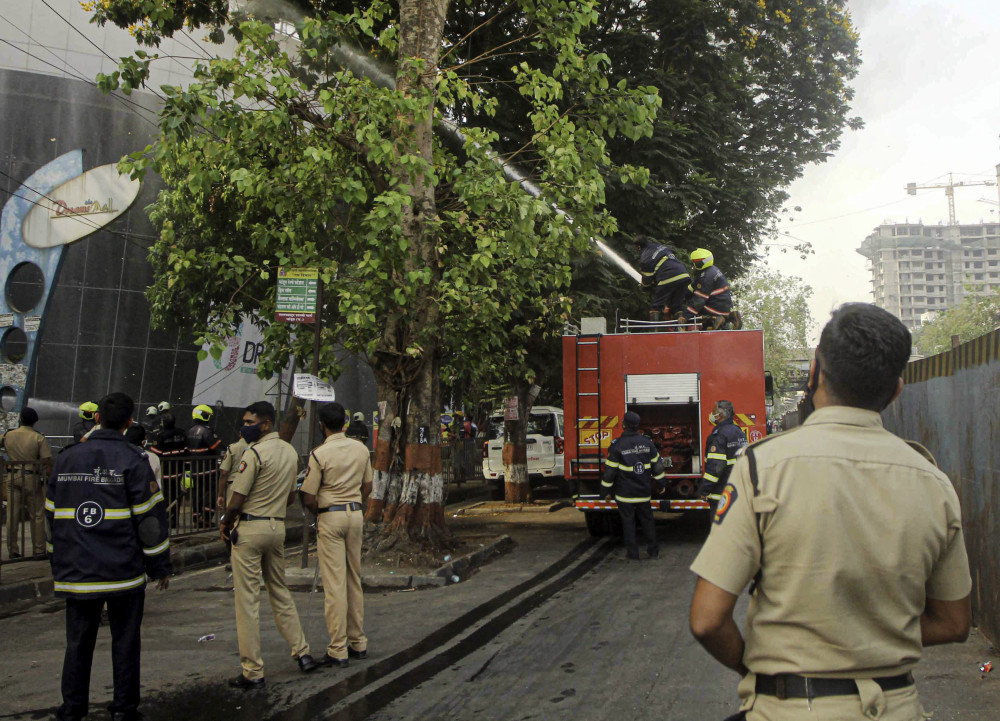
(233, 378)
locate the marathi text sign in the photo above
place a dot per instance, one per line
(297, 293)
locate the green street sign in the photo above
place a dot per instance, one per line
(297, 292)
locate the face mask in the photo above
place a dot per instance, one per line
(252, 433)
(713, 418)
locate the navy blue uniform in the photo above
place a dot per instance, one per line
(711, 295)
(723, 443)
(632, 466)
(661, 268)
(107, 531)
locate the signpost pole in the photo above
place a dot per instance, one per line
(314, 418)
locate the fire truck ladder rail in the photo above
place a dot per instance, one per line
(593, 462)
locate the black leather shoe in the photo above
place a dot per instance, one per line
(307, 663)
(245, 683)
(329, 660)
(351, 653)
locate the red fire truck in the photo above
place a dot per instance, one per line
(671, 379)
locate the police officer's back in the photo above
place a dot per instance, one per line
(854, 542)
(632, 467)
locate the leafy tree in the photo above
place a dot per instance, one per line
(753, 91)
(280, 156)
(975, 315)
(778, 305)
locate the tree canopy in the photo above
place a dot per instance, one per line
(975, 315)
(778, 305)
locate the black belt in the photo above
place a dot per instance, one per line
(352, 506)
(786, 685)
(249, 517)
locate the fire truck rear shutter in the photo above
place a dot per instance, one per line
(662, 388)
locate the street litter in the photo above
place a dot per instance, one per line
(209, 637)
(447, 558)
(455, 579)
(985, 668)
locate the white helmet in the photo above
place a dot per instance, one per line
(151, 411)
(163, 406)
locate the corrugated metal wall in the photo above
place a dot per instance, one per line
(951, 404)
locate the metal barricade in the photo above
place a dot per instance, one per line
(23, 517)
(462, 460)
(190, 489)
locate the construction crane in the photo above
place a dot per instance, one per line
(949, 190)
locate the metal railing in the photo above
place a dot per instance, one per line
(190, 489)
(462, 460)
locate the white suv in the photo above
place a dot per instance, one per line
(546, 449)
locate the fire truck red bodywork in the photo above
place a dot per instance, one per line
(672, 379)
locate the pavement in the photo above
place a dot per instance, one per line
(24, 583)
(559, 627)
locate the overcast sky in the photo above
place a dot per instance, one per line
(929, 94)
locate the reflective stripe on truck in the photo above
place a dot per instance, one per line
(664, 505)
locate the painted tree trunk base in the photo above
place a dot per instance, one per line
(517, 492)
(414, 523)
(517, 484)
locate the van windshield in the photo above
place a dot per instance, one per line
(539, 424)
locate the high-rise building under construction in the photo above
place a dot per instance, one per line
(918, 270)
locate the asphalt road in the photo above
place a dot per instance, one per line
(561, 627)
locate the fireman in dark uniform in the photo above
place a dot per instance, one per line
(203, 443)
(106, 531)
(169, 443)
(721, 449)
(710, 291)
(632, 466)
(358, 429)
(86, 422)
(668, 276)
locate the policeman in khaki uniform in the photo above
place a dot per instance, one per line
(854, 542)
(26, 487)
(338, 481)
(262, 488)
(230, 460)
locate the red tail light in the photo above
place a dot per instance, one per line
(560, 446)
(486, 449)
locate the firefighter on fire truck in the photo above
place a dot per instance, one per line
(710, 293)
(721, 449)
(661, 268)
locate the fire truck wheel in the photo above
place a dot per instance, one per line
(597, 523)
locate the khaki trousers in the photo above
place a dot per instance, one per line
(339, 549)
(260, 549)
(26, 491)
(871, 704)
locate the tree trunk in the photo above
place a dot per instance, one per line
(517, 484)
(407, 358)
(290, 419)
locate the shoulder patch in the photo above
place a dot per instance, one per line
(712, 449)
(726, 502)
(243, 467)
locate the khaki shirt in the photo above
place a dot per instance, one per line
(337, 470)
(26, 444)
(858, 531)
(232, 456)
(266, 475)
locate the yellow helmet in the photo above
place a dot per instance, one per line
(701, 258)
(87, 410)
(202, 413)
